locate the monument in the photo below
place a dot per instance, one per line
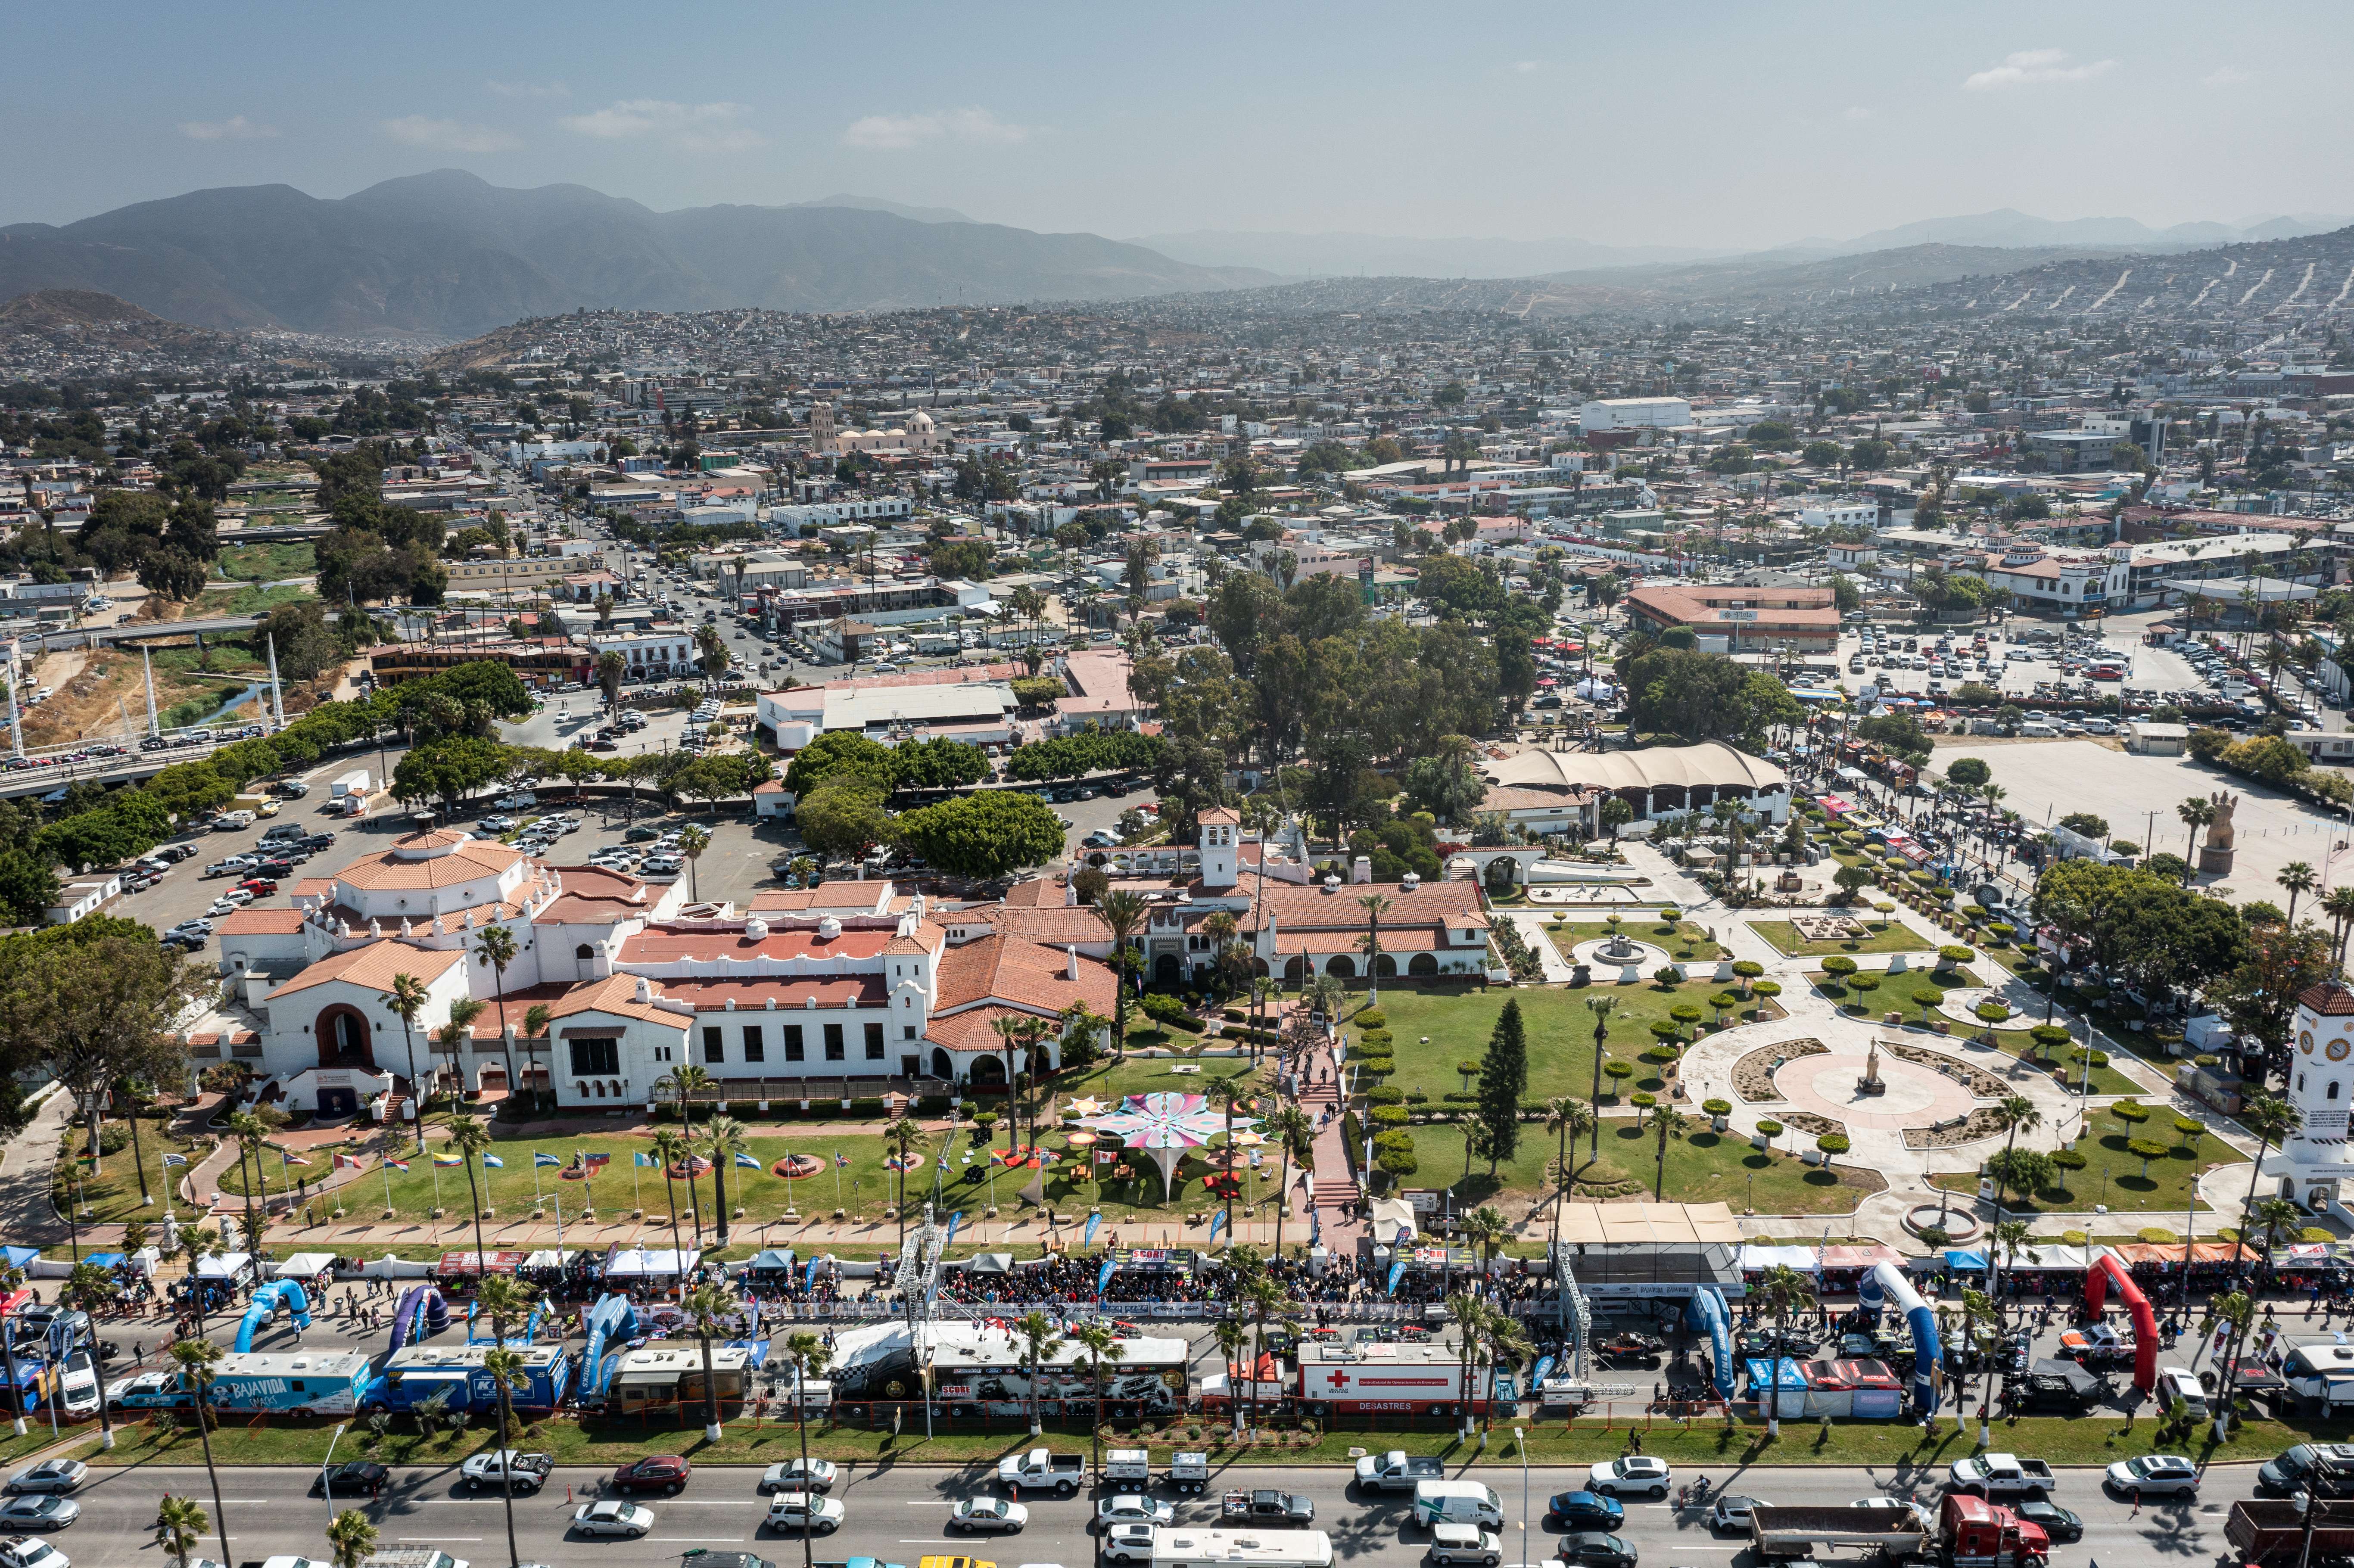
(2215, 854)
(1872, 1083)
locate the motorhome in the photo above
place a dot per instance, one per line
(316, 1382)
(1182, 1546)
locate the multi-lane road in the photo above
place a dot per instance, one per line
(897, 1513)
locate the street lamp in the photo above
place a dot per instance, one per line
(327, 1492)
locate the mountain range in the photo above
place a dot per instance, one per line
(446, 255)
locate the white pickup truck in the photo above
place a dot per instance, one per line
(2001, 1476)
(1063, 1474)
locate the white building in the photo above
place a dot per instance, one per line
(651, 656)
(2074, 582)
(2311, 1167)
(1839, 515)
(1634, 414)
(831, 513)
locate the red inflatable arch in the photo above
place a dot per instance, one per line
(2097, 1280)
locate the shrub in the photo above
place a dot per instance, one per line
(1389, 1116)
(2003, 930)
(1163, 1007)
(1992, 1011)
(1396, 1163)
(1376, 1066)
(1393, 1139)
(1956, 955)
(1748, 969)
(1769, 1130)
(1643, 1097)
(1374, 1039)
(1839, 966)
(1617, 1070)
(1832, 1144)
(1372, 1018)
(2156, 1235)
(2068, 1160)
(1667, 975)
(1767, 989)
(1384, 1094)
(1717, 1108)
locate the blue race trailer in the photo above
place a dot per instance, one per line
(417, 1373)
(317, 1382)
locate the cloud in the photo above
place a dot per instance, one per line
(2036, 67)
(894, 132)
(2227, 76)
(448, 135)
(529, 89)
(695, 127)
(1855, 112)
(1528, 67)
(235, 128)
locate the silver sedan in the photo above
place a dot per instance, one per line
(613, 1518)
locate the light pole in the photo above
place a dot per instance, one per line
(327, 1492)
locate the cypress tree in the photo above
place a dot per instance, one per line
(1503, 1078)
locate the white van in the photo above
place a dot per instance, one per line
(2038, 729)
(2176, 1383)
(1457, 1502)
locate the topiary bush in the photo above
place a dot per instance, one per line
(1371, 1018)
(1748, 969)
(1839, 966)
(1769, 1130)
(1384, 1094)
(1617, 1071)
(1833, 1143)
(1643, 1097)
(1388, 1116)
(2068, 1160)
(1954, 955)
(1717, 1108)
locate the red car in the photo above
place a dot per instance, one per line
(663, 1472)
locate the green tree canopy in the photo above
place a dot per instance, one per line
(986, 834)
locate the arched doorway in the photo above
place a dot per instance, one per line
(1340, 966)
(941, 1066)
(343, 1035)
(1422, 964)
(987, 1072)
(1166, 970)
(1502, 871)
(1385, 967)
(1295, 969)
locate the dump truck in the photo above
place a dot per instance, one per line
(1787, 1532)
(2270, 1531)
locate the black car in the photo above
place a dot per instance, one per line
(358, 1479)
(2057, 1522)
(1598, 1549)
(1584, 1511)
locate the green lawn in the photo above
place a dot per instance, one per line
(111, 1191)
(2113, 1173)
(267, 563)
(1886, 937)
(1703, 1167)
(247, 600)
(1457, 1023)
(1684, 940)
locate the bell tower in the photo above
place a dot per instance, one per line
(2321, 1089)
(1221, 827)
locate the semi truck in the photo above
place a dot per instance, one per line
(1971, 1533)
(320, 1383)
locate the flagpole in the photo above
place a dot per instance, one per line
(536, 1200)
(637, 1191)
(386, 1168)
(837, 1181)
(436, 1184)
(168, 1212)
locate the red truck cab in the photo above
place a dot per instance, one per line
(1977, 1534)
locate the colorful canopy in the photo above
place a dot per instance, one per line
(1164, 1126)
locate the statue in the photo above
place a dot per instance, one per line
(2215, 854)
(1869, 1083)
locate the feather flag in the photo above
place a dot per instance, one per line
(1103, 1275)
(395, 1164)
(448, 1160)
(539, 1159)
(494, 1163)
(1397, 1270)
(1216, 1221)
(954, 1220)
(175, 1160)
(751, 1159)
(1093, 1220)
(809, 1279)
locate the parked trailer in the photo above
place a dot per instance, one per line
(1787, 1533)
(321, 1382)
(2270, 1531)
(417, 1374)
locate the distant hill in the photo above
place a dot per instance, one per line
(876, 204)
(1389, 255)
(448, 255)
(84, 327)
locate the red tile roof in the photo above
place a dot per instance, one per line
(1009, 970)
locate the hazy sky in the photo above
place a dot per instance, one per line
(1692, 124)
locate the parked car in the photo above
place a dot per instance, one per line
(50, 1476)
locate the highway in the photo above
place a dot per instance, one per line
(897, 1514)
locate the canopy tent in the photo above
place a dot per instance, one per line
(304, 1265)
(1392, 1221)
(228, 1266)
(2056, 1258)
(391, 1267)
(638, 1263)
(18, 1257)
(1871, 1256)
(1687, 1225)
(2163, 1253)
(1963, 1260)
(1162, 1127)
(551, 1258)
(1756, 1259)
(985, 1263)
(771, 1261)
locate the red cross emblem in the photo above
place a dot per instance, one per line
(1336, 1379)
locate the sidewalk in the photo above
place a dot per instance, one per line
(28, 1166)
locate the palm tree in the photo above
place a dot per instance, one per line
(1565, 1119)
(2338, 905)
(1265, 1297)
(1010, 1034)
(1124, 913)
(670, 1150)
(180, 1525)
(1292, 1127)
(610, 670)
(2015, 1115)
(351, 1537)
(1484, 1229)
(1601, 1007)
(1502, 1342)
(408, 999)
(1469, 1315)
(1101, 1345)
(726, 1141)
(468, 1136)
(1039, 1342)
(906, 1140)
(535, 1020)
(2195, 813)
(2298, 877)
(683, 1084)
(692, 841)
(2275, 1215)
(454, 1035)
(809, 1358)
(707, 1305)
(1374, 905)
(496, 948)
(503, 1298)
(197, 1243)
(1231, 1336)
(1223, 1093)
(2271, 1120)
(1783, 1290)
(196, 1360)
(711, 652)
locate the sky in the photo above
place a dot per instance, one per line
(1728, 125)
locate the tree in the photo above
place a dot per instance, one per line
(470, 1138)
(2014, 1115)
(611, 670)
(708, 1308)
(983, 835)
(1446, 784)
(727, 1141)
(844, 821)
(2296, 877)
(809, 1357)
(1567, 1120)
(502, 1299)
(1039, 1342)
(496, 948)
(1783, 1292)
(1503, 1079)
(198, 1361)
(180, 1526)
(408, 1000)
(1101, 1345)
(1968, 773)
(907, 1141)
(351, 1538)
(692, 841)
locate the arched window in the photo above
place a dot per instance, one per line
(600, 1091)
(2332, 1092)
(617, 1091)
(584, 952)
(579, 1091)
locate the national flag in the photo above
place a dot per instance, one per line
(286, 1158)
(447, 1161)
(642, 1158)
(840, 1159)
(594, 1160)
(944, 1160)
(90, 1159)
(175, 1160)
(395, 1164)
(539, 1159)
(494, 1163)
(751, 1160)
(350, 1162)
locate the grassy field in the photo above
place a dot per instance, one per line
(2113, 1174)
(2089, 1440)
(1703, 1167)
(1434, 1032)
(1886, 937)
(111, 1191)
(266, 563)
(247, 600)
(1682, 940)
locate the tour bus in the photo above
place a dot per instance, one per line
(1182, 1546)
(319, 1382)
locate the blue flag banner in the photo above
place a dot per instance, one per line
(809, 1279)
(1397, 1270)
(1216, 1220)
(494, 1163)
(954, 1220)
(539, 1159)
(1093, 1220)
(175, 1160)
(744, 1158)
(1103, 1275)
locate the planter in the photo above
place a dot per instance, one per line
(1943, 1028)
(1719, 1123)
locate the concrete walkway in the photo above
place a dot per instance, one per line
(27, 1168)
(1558, 970)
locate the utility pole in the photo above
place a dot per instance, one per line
(147, 658)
